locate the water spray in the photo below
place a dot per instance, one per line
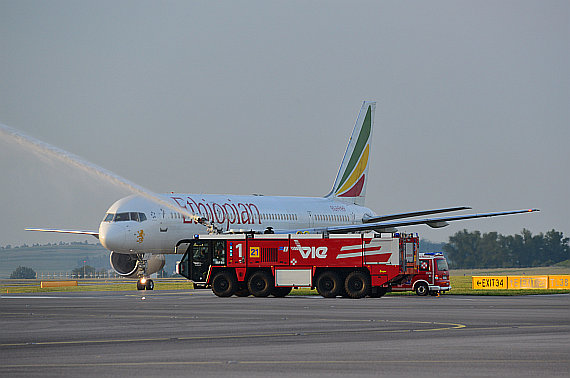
(52, 152)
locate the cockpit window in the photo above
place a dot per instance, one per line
(121, 217)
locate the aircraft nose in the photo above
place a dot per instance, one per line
(112, 236)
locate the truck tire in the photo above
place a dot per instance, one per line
(357, 285)
(329, 284)
(422, 289)
(260, 284)
(281, 292)
(224, 284)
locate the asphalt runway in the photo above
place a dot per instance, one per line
(174, 333)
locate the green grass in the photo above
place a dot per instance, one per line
(538, 271)
(461, 285)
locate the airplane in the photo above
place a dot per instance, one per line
(139, 230)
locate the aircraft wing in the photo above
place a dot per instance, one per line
(382, 218)
(391, 225)
(78, 232)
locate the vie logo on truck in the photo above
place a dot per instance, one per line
(313, 252)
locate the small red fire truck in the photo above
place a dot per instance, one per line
(351, 265)
(432, 277)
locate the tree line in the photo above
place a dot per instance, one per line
(467, 250)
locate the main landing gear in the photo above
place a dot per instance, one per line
(145, 284)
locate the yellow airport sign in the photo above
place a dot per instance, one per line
(528, 282)
(559, 282)
(57, 283)
(489, 282)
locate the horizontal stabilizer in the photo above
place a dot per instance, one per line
(77, 232)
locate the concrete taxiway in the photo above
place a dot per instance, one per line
(195, 333)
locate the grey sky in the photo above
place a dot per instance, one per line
(260, 97)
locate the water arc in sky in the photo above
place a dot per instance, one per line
(56, 153)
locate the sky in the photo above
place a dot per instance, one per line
(242, 97)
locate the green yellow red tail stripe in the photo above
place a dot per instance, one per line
(350, 184)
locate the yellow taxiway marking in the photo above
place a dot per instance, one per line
(300, 333)
(442, 326)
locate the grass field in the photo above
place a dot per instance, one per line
(511, 271)
(460, 283)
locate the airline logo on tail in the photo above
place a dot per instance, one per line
(350, 183)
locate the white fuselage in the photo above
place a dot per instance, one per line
(158, 228)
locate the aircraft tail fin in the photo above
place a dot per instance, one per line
(350, 183)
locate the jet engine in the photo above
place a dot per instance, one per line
(128, 265)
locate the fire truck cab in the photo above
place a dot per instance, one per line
(432, 277)
(351, 265)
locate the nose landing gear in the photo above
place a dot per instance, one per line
(145, 284)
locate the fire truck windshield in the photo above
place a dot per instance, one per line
(442, 265)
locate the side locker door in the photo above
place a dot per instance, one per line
(236, 251)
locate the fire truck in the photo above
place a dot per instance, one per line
(432, 277)
(350, 265)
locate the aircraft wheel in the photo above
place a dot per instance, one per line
(357, 285)
(224, 284)
(422, 289)
(149, 285)
(140, 285)
(260, 284)
(281, 292)
(329, 284)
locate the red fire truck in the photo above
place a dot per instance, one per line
(352, 265)
(432, 277)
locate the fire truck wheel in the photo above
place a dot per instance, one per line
(260, 284)
(357, 285)
(329, 284)
(422, 289)
(224, 284)
(281, 292)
